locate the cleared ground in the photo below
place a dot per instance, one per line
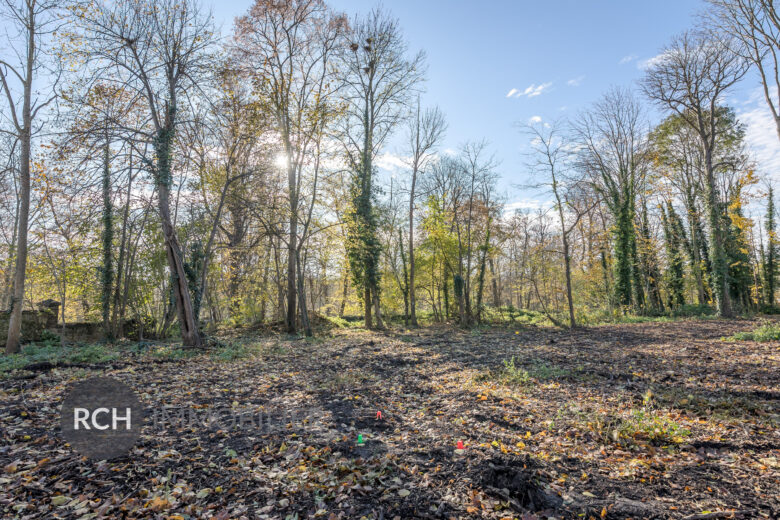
(657, 420)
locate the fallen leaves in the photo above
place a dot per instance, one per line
(425, 388)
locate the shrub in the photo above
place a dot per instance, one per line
(509, 374)
(232, 352)
(173, 352)
(90, 354)
(643, 424)
(766, 332)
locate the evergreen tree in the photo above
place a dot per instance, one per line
(674, 271)
(770, 257)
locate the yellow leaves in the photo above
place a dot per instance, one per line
(158, 504)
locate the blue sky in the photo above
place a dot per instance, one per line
(564, 53)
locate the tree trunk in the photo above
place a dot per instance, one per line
(264, 287)
(190, 334)
(12, 344)
(7, 296)
(377, 311)
(367, 307)
(446, 305)
(405, 285)
(481, 278)
(107, 269)
(302, 297)
(567, 269)
(410, 287)
(115, 326)
(276, 244)
(292, 248)
(494, 284)
(719, 261)
(696, 266)
(344, 292)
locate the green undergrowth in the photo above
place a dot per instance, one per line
(53, 353)
(512, 374)
(766, 332)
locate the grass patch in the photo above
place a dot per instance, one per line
(233, 352)
(51, 352)
(603, 317)
(91, 354)
(275, 349)
(173, 352)
(349, 380)
(346, 322)
(511, 374)
(766, 332)
(509, 315)
(641, 425)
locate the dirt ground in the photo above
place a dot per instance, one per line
(657, 420)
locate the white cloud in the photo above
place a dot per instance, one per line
(575, 82)
(532, 90)
(650, 62)
(627, 59)
(451, 152)
(535, 119)
(390, 162)
(761, 135)
(532, 204)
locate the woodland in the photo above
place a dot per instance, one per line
(209, 205)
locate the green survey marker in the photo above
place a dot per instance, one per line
(360, 441)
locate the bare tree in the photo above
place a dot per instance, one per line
(479, 182)
(158, 50)
(379, 80)
(755, 25)
(611, 141)
(288, 47)
(34, 20)
(551, 159)
(9, 208)
(690, 78)
(426, 129)
(227, 149)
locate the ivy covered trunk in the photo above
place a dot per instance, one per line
(674, 272)
(107, 269)
(720, 267)
(181, 295)
(363, 247)
(623, 233)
